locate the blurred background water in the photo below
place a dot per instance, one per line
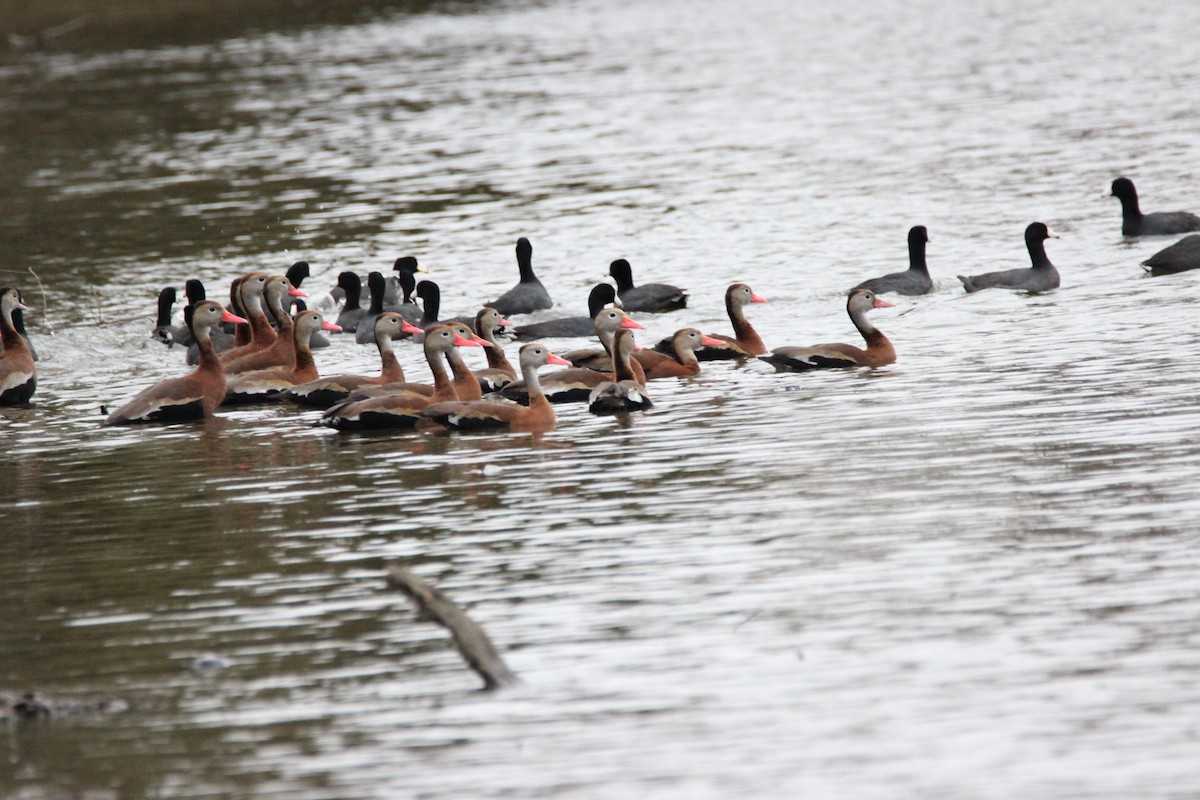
(971, 574)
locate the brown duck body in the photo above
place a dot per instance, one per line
(538, 415)
(250, 290)
(499, 372)
(400, 405)
(266, 385)
(324, 392)
(282, 351)
(681, 363)
(623, 392)
(195, 395)
(879, 351)
(745, 342)
(18, 374)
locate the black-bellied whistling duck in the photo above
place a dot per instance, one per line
(352, 311)
(193, 396)
(18, 375)
(914, 280)
(602, 294)
(265, 385)
(1179, 257)
(250, 291)
(1135, 223)
(324, 392)
(282, 351)
(682, 362)
(652, 297)
(366, 325)
(538, 415)
(220, 338)
(1040, 277)
(605, 325)
(744, 343)
(575, 385)
(466, 385)
(528, 295)
(499, 372)
(395, 405)
(623, 392)
(879, 350)
(18, 321)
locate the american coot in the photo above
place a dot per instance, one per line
(493, 414)
(602, 294)
(879, 350)
(18, 375)
(1179, 257)
(163, 330)
(399, 405)
(745, 342)
(1041, 277)
(365, 332)
(682, 362)
(194, 395)
(1135, 223)
(265, 385)
(352, 311)
(651, 297)
(528, 295)
(624, 392)
(914, 280)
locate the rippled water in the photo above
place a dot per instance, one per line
(970, 574)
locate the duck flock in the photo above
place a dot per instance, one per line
(260, 349)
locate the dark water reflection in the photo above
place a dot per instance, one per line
(969, 574)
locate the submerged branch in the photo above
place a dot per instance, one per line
(472, 643)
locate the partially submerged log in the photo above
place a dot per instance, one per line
(472, 643)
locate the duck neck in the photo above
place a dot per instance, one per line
(390, 370)
(1131, 210)
(622, 370)
(377, 291)
(433, 302)
(743, 331)
(209, 361)
(533, 385)
(443, 387)
(260, 326)
(495, 354)
(916, 256)
(166, 301)
(1037, 254)
(303, 357)
(525, 265)
(9, 333)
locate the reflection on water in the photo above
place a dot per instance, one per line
(976, 562)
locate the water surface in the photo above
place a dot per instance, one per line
(969, 574)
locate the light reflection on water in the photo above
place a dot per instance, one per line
(968, 574)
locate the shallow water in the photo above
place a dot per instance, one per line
(969, 574)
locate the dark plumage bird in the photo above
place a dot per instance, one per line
(528, 295)
(1135, 223)
(366, 323)
(601, 296)
(652, 297)
(879, 352)
(1179, 257)
(352, 312)
(1041, 277)
(914, 280)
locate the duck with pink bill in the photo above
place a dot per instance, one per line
(879, 350)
